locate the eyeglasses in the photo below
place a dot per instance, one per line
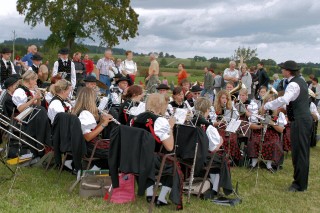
(197, 93)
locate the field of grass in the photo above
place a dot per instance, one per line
(38, 191)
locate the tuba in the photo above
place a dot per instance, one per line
(271, 91)
(236, 89)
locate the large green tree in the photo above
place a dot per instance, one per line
(68, 20)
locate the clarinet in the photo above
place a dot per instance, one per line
(113, 119)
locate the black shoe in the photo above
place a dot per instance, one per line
(294, 189)
(149, 198)
(160, 203)
(209, 195)
(74, 172)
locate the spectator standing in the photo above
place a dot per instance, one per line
(246, 78)
(276, 81)
(88, 63)
(217, 82)
(231, 73)
(152, 80)
(105, 67)
(27, 58)
(262, 75)
(129, 67)
(207, 84)
(255, 81)
(182, 74)
(79, 66)
(315, 87)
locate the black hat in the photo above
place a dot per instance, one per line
(10, 81)
(36, 57)
(163, 86)
(118, 75)
(64, 51)
(90, 78)
(17, 76)
(123, 79)
(290, 65)
(6, 50)
(195, 88)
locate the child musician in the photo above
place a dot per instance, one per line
(223, 107)
(272, 148)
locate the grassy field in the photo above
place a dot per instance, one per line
(38, 191)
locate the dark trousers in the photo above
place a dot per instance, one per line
(300, 147)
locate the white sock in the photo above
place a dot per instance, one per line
(254, 162)
(269, 162)
(212, 178)
(67, 163)
(164, 191)
(150, 191)
(215, 186)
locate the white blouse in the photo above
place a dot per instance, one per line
(214, 137)
(314, 110)
(48, 97)
(162, 128)
(19, 97)
(129, 66)
(56, 107)
(88, 122)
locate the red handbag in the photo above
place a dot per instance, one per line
(125, 192)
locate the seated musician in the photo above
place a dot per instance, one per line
(25, 95)
(119, 89)
(178, 100)
(272, 148)
(10, 85)
(131, 99)
(164, 89)
(92, 124)
(229, 87)
(196, 92)
(161, 128)
(61, 91)
(223, 112)
(185, 84)
(261, 92)
(215, 142)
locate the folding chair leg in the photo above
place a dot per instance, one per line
(157, 183)
(205, 176)
(64, 158)
(50, 160)
(91, 156)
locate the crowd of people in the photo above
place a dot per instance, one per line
(262, 105)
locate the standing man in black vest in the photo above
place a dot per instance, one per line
(6, 66)
(36, 61)
(65, 65)
(296, 100)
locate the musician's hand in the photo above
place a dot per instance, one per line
(172, 122)
(38, 95)
(248, 114)
(263, 111)
(106, 119)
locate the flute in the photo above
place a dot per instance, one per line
(113, 119)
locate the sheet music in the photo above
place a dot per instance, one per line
(24, 114)
(180, 115)
(138, 109)
(233, 125)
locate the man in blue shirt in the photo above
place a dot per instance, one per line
(31, 51)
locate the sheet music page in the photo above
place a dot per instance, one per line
(233, 125)
(138, 109)
(23, 114)
(180, 115)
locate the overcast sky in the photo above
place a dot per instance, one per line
(279, 29)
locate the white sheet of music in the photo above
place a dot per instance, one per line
(180, 115)
(233, 125)
(138, 109)
(24, 114)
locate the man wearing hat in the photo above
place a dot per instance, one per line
(6, 66)
(91, 81)
(36, 61)
(195, 91)
(296, 100)
(10, 85)
(163, 89)
(65, 65)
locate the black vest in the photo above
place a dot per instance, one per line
(63, 68)
(299, 108)
(5, 72)
(34, 68)
(175, 105)
(191, 102)
(142, 120)
(66, 108)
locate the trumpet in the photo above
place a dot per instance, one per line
(271, 91)
(236, 89)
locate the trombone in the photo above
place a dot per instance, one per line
(6, 123)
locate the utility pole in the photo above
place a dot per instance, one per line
(13, 43)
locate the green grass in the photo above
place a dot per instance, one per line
(38, 191)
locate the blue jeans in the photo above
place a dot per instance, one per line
(106, 80)
(210, 94)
